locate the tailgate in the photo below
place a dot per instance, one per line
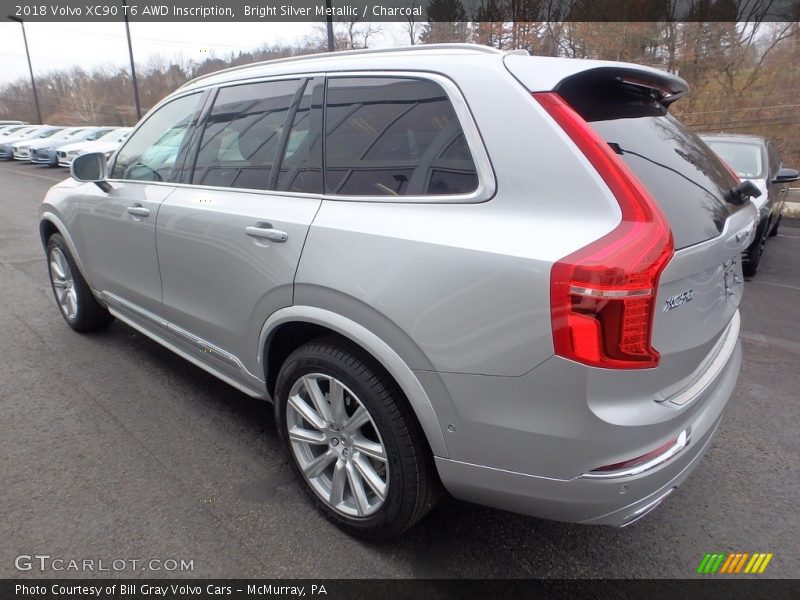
(700, 289)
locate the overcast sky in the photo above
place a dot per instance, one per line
(66, 45)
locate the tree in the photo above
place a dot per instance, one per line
(447, 22)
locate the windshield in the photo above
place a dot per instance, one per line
(24, 132)
(112, 136)
(12, 129)
(48, 133)
(66, 134)
(746, 159)
(89, 135)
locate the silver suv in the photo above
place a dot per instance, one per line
(510, 277)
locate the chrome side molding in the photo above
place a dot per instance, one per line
(198, 343)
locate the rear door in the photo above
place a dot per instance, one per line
(230, 241)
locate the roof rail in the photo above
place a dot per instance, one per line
(417, 47)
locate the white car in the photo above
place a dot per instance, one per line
(24, 135)
(16, 147)
(6, 130)
(27, 150)
(106, 144)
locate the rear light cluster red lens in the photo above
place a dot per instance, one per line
(603, 297)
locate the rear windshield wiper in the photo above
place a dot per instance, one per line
(739, 194)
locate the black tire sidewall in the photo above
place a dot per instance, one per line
(91, 315)
(316, 358)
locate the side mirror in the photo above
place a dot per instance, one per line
(786, 176)
(92, 167)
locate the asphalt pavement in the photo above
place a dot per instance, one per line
(113, 448)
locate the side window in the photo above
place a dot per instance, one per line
(242, 135)
(394, 137)
(150, 153)
(301, 164)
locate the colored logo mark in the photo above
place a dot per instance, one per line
(736, 562)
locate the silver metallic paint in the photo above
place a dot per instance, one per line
(451, 298)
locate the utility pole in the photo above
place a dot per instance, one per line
(329, 25)
(30, 69)
(133, 66)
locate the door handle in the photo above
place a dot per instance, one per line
(138, 210)
(266, 232)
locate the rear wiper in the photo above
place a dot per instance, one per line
(740, 193)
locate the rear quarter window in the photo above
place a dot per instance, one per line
(387, 136)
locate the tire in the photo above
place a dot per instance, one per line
(754, 253)
(774, 231)
(77, 305)
(406, 475)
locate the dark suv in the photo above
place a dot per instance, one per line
(756, 158)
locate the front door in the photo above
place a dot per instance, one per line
(118, 227)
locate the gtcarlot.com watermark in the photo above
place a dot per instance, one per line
(44, 563)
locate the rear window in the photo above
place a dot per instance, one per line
(686, 178)
(387, 136)
(628, 108)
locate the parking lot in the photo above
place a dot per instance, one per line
(111, 447)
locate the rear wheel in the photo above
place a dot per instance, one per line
(353, 441)
(75, 300)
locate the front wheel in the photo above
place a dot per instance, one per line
(353, 440)
(754, 253)
(774, 231)
(75, 300)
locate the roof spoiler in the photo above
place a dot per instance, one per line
(594, 86)
(663, 87)
(605, 93)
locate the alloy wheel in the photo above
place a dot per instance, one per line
(337, 445)
(63, 284)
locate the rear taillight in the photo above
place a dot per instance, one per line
(603, 297)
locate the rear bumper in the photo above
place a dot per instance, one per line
(616, 501)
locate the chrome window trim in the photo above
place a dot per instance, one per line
(487, 183)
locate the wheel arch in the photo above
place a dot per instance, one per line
(291, 327)
(49, 223)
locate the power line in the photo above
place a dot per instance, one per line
(727, 127)
(749, 108)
